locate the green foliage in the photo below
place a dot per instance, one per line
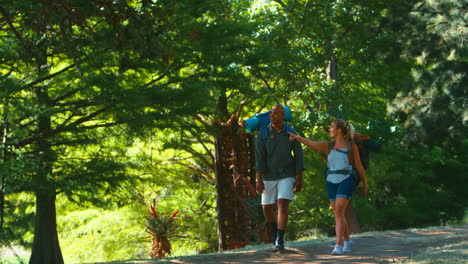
(18, 223)
(161, 224)
(112, 104)
(119, 233)
(95, 235)
(88, 74)
(177, 188)
(433, 106)
(172, 187)
(413, 188)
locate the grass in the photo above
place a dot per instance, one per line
(14, 260)
(13, 255)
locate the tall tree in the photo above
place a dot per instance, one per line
(76, 76)
(335, 51)
(432, 105)
(429, 116)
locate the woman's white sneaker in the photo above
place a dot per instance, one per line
(347, 246)
(337, 250)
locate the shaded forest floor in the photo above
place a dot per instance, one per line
(430, 245)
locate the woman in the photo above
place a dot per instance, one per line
(340, 182)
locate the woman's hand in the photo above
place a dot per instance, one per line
(364, 190)
(292, 136)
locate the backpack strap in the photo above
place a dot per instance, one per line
(351, 156)
(324, 155)
(330, 146)
(350, 153)
(264, 131)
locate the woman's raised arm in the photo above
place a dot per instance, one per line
(317, 145)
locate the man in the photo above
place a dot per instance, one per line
(279, 165)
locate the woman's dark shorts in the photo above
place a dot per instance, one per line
(343, 189)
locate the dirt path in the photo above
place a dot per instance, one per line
(374, 247)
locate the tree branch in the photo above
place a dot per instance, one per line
(198, 170)
(12, 27)
(201, 141)
(50, 76)
(111, 124)
(62, 97)
(197, 155)
(243, 102)
(61, 129)
(89, 117)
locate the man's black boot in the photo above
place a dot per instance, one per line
(280, 240)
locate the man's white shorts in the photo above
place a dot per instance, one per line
(280, 189)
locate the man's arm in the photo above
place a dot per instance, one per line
(260, 162)
(259, 185)
(260, 155)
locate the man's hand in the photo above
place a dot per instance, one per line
(260, 186)
(298, 185)
(298, 182)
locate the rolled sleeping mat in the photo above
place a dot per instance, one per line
(263, 119)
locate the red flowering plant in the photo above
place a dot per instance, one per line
(160, 227)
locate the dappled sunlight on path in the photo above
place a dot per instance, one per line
(370, 248)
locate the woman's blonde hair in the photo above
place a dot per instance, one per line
(346, 129)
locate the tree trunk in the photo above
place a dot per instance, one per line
(332, 74)
(353, 223)
(220, 200)
(232, 167)
(160, 246)
(46, 248)
(2, 205)
(332, 69)
(2, 174)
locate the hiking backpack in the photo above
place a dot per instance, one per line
(365, 145)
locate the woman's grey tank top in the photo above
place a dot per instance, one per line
(338, 161)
